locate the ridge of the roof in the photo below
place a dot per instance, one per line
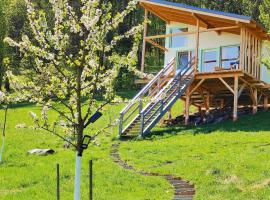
(184, 6)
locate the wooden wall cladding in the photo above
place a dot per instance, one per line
(250, 53)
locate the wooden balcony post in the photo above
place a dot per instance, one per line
(197, 46)
(235, 104)
(144, 40)
(241, 62)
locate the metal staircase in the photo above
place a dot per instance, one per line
(155, 99)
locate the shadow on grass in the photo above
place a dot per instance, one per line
(127, 94)
(21, 105)
(247, 123)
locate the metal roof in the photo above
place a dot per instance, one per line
(193, 8)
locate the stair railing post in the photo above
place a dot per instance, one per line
(179, 81)
(158, 85)
(140, 106)
(142, 118)
(161, 106)
(121, 123)
(142, 124)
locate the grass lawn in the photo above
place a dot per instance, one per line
(225, 161)
(24, 177)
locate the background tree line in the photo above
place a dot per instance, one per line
(13, 23)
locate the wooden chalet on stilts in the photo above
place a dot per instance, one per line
(212, 60)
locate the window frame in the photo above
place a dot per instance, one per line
(229, 59)
(171, 38)
(217, 61)
(190, 53)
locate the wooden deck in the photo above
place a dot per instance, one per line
(228, 88)
(225, 88)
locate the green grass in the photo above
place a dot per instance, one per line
(25, 177)
(225, 161)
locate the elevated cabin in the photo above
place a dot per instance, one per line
(214, 57)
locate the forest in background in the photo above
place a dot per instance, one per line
(13, 23)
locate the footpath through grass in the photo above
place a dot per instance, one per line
(224, 161)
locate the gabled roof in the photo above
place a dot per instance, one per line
(178, 12)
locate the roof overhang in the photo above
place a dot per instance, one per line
(176, 12)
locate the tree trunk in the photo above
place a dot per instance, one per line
(79, 130)
(77, 182)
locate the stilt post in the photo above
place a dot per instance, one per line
(207, 102)
(255, 103)
(187, 104)
(235, 103)
(265, 103)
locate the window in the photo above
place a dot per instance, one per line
(230, 56)
(209, 60)
(178, 41)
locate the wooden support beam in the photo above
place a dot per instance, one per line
(156, 45)
(235, 102)
(214, 75)
(265, 103)
(192, 32)
(255, 104)
(162, 17)
(222, 103)
(207, 102)
(241, 89)
(144, 40)
(196, 86)
(226, 84)
(187, 105)
(251, 94)
(202, 21)
(260, 98)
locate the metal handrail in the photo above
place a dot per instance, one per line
(158, 102)
(159, 97)
(148, 86)
(178, 75)
(167, 70)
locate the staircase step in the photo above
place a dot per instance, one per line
(153, 114)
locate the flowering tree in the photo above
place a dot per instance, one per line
(74, 59)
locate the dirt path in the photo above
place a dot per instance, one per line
(183, 190)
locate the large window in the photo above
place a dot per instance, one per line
(209, 60)
(178, 41)
(230, 56)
